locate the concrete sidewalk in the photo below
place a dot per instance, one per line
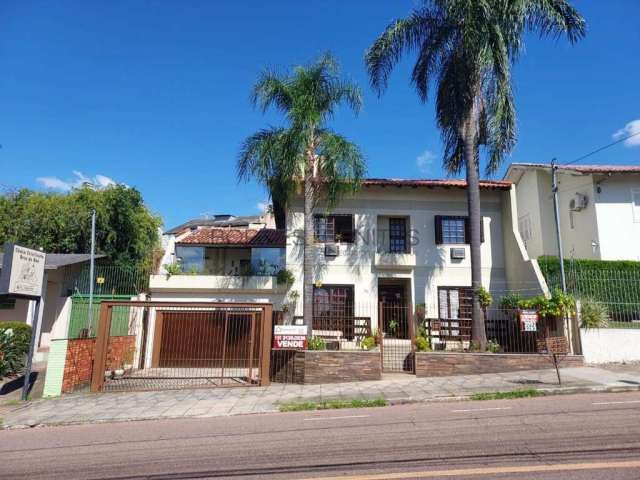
(109, 407)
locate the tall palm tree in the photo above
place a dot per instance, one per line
(306, 151)
(466, 48)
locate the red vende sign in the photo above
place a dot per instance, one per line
(292, 342)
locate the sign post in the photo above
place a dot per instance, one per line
(22, 276)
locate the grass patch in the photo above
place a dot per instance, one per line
(529, 392)
(12, 403)
(332, 405)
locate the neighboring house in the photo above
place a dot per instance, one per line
(55, 307)
(599, 210)
(224, 264)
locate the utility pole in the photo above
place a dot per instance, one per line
(556, 210)
(92, 268)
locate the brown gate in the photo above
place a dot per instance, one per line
(162, 345)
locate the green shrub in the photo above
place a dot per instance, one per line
(422, 344)
(317, 343)
(14, 346)
(493, 346)
(593, 314)
(368, 343)
(173, 268)
(485, 297)
(558, 305)
(285, 277)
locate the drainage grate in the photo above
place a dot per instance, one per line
(526, 381)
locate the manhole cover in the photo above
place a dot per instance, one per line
(630, 382)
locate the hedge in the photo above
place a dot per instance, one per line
(616, 283)
(14, 346)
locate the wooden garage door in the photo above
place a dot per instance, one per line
(208, 339)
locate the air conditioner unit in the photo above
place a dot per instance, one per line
(579, 202)
(457, 254)
(331, 250)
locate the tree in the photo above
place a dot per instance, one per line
(305, 151)
(126, 232)
(466, 49)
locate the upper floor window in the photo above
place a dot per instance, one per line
(398, 235)
(333, 228)
(635, 202)
(524, 226)
(454, 230)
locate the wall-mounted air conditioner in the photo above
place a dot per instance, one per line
(331, 250)
(457, 253)
(579, 202)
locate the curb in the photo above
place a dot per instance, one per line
(391, 401)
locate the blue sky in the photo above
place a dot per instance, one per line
(154, 94)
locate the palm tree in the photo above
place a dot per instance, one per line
(466, 48)
(305, 151)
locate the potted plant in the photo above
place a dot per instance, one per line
(127, 359)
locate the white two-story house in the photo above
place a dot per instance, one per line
(405, 243)
(599, 209)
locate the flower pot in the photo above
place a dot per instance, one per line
(108, 374)
(118, 373)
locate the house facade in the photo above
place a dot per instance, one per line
(405, 243)
(395, 242)
(599, 210)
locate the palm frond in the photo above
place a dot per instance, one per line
(341, 166)
(400, 37)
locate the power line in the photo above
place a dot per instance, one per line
(603, 148)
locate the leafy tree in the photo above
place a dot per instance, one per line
(126, 231)
(306, 150)
(465, 48)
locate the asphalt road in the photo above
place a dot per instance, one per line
(595, 436)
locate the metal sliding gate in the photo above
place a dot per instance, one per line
(397, 334)
(161, 345)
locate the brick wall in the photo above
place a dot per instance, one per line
(78, 366)
(336, 366)
(439, 364)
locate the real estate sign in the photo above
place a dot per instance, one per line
(528, 320)
(289, 337)
(22, 272)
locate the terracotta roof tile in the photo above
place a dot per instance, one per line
(433, 183)
(265, 237)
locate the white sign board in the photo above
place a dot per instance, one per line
(290, 330)
(22, 271)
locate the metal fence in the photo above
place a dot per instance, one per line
(618, 292)
(109, 280)
(156, 345)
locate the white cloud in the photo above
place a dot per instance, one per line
(631, 128)
(263, 206)
(55, 183)
(425, 160)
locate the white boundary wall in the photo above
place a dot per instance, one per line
(605, 345)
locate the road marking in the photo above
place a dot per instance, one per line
(336, 418)
(616, 403)
(481, 409)
(461, 472)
